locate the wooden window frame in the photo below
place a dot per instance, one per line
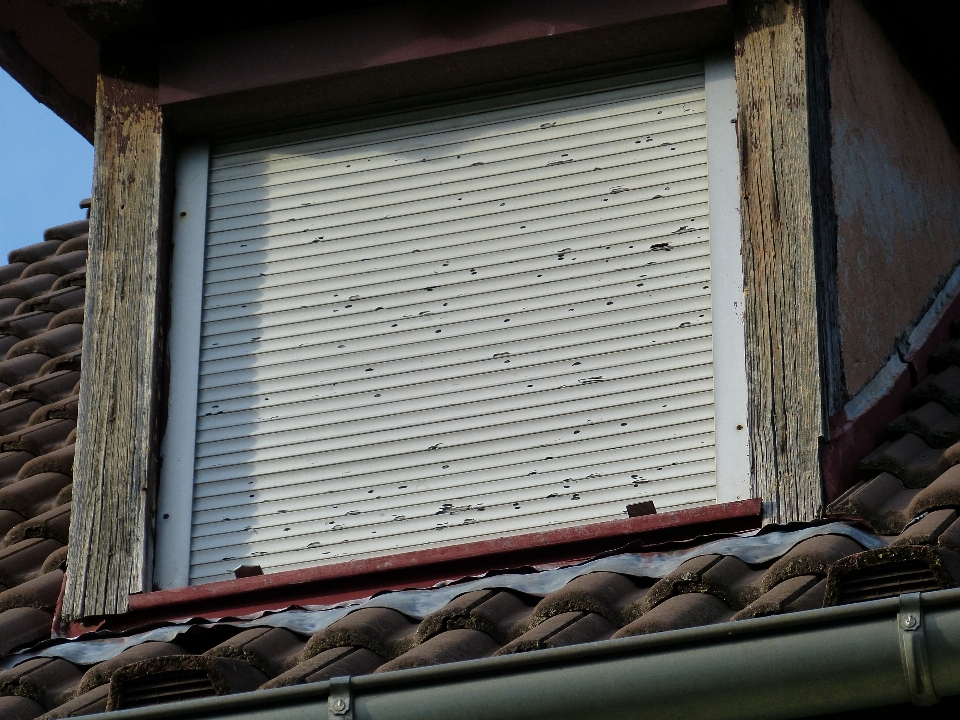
(121, 411)
(174, 509)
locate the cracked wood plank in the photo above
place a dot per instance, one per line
(115, 466)
(779, 259)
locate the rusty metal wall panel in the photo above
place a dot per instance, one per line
(455, 329)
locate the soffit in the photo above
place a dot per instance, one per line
(924, 34)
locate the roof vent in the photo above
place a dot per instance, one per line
(166, 687)
(890, 571)
(884, 581)
(174, 678)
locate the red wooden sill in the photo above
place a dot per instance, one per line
(351, 580)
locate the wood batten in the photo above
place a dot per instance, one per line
(116, 444)
(779, 259)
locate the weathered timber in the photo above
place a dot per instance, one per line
(115, 465)
(779, 259)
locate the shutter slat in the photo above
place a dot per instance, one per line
(682, 346)
(287, 151)
(403, 348)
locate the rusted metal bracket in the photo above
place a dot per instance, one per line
(340, 700)
(913, 651)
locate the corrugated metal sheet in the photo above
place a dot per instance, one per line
(455, 329)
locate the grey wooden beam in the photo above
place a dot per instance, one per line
(779, 259)
(115, 467)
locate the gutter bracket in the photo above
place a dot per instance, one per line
(913, 651)
(340, 699)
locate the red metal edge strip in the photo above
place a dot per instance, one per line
(851, 440)
(333, 583)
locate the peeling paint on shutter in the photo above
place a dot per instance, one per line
(455, 329)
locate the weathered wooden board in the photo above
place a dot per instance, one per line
(779, 259)
(116, 443)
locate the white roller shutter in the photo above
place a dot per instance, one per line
(455, 329)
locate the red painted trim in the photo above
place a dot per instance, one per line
(352, 580)
(852, 440)
(385, 35)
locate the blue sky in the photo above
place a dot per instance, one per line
(46, 169)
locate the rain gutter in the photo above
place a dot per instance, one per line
(881, 652)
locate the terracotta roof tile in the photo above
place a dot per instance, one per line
(11, 272)
(932, 422)
(569, 628)
(336, 662)
(802, 592)
(386, 632)
(14, 371)
(41, 592)
(451, 646)
(13, 707)
(499, 613)
(689, 609)
(59, 264)
(24, 289)
(89, 703)
(67, 230)
(35, 253)
(21, 626)
(607, 594)
(271, 650)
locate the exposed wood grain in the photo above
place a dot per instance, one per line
(779, 258)
(116, 443)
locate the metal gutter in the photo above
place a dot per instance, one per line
(881, 652)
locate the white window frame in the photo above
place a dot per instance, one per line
(175, 498)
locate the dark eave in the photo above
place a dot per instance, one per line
(925, 33)
(52, 58)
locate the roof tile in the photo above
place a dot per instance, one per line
(498, 613)
(22, 626)
(91, 702)
(943, 387)
(381, 630)
(22, 561)
(27, 288)
(34, 253)
(41, 592)
(801, 592)
(680, 611)
(569, 628)
(335, 662)
(13, 707)
(451, 646)
(604, 593)
(67, 230)
(59, 264)
(271, 650)
(936, 425)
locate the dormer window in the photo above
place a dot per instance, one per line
(407, 332)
